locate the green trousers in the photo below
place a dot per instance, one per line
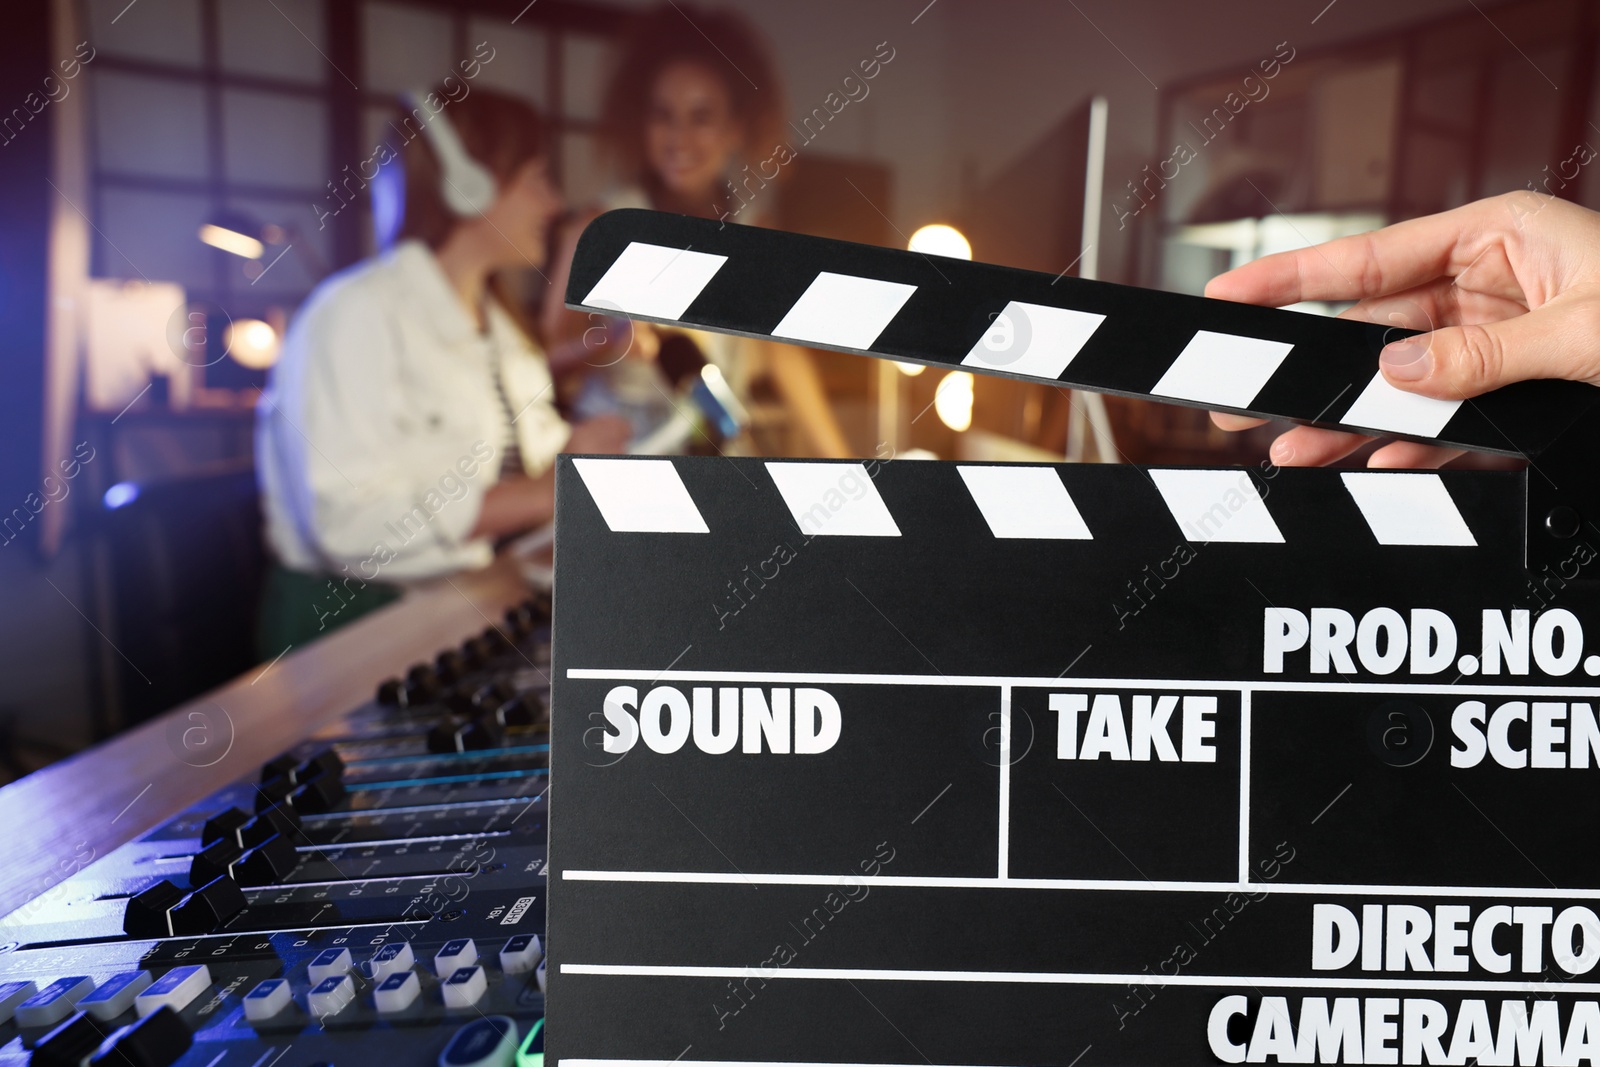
(297, 608)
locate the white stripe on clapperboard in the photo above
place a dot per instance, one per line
(848, 311)
(1022, 503)
(1109, 885)
(1003, 867)
(890, 974)
(987, 681)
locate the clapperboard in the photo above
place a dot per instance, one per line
(901, 762)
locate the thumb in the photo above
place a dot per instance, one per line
(1464, 361)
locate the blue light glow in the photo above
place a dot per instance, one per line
(121, 494)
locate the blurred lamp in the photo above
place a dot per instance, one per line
(938, 239)
(235, 232)
(910, 370)
(252, 343)
(120, 495)
(248, 237)
(953, 400)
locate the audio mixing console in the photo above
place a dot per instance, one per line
(375, 895)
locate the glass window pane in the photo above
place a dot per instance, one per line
(152, 235)
(582, 177)
(585, 66)
(149, 125)
(1522, 127)
(1439, 95)
(375, 129)
(165, 31)
(404, 48)
(273, 139)
(517, 62)
(284, 39)
(288, 272)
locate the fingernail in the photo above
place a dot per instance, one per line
(1281, 452)
(1406, 361)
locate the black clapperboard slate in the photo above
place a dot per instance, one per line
(902, 762)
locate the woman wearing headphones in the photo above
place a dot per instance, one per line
(681, 116)
(409, 422)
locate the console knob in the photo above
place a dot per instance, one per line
(522, 711)
(268, 863)
(477, 651)
(214, 861)
(277, 765)
(520, 620)
(206, 909)
(491, 696)
(158, 1040)
(273, 794)
(422, 684)
(464, 735)
(281, 820)
(450, 665)
(325, 762)
(149, 913)
(459, 701)
(317, 796)
(71, 1043)
(224, 826)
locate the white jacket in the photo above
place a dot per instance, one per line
(380, 428)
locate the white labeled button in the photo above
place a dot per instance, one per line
(521, 954)
(331, 995)
(12, 994)
(396, 956)
(267, 999)
(329, 964)
(455, 955)
(54, 1002)
(465, 987)
(175, 989)
(115, 995)
(397, 991)
(539, 974)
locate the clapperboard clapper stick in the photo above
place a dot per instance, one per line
(1081, 765)
(1021, 324)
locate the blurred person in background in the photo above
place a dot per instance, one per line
(410, 422)
(694, 98)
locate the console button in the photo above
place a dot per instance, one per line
(267, 999)
(115, 995)
(54, 1002)
(176, 989)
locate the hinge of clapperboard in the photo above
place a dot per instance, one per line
(1098, 336)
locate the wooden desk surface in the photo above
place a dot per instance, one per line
(109, 794)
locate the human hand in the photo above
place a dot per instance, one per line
(603, 433)
(1508, 288)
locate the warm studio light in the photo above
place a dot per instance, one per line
(253, 343)
(910, 370)
(953, 400)
(938, 239)
(240, 244)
